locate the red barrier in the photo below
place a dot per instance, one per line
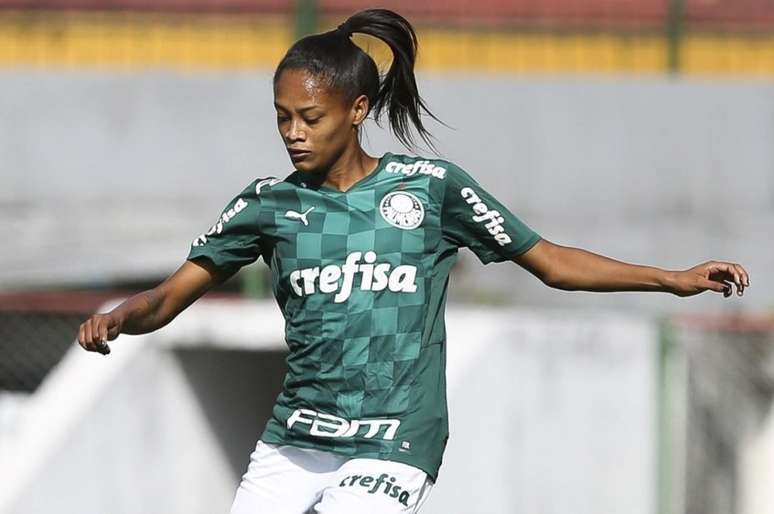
(193, 6)
(729, 14)
(709, 14)
(498, 10)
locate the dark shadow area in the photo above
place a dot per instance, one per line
(32, 343)
(236, 390)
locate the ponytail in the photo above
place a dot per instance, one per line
(333, 57)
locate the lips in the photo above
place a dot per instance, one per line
(296, 153)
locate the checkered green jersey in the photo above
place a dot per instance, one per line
(361, 277)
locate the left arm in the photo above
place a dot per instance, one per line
(575, 269)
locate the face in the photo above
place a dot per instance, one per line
(315, 122)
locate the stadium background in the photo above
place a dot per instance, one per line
(638, 129)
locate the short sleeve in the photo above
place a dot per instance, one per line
(475, 219)
(235, 238)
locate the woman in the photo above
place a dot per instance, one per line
(360, 250)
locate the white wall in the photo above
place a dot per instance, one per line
(756, 470)
(550, 412)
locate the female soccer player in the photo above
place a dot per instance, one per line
(360, 250)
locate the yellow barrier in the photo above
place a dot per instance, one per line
(226, 42)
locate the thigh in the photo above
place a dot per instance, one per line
(283, 480)
(375, 486)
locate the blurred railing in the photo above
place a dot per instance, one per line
(717, 422)
(552, 36)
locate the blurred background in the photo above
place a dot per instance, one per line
(638, 129)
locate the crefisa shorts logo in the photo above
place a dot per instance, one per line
(401, 209)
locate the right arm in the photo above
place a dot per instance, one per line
(234, 241)
(152, 309)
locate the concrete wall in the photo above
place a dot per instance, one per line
(106, 177)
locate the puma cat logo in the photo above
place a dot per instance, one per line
(293, 215)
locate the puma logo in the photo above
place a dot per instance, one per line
(293, 215)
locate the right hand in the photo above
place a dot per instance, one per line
(96, 331)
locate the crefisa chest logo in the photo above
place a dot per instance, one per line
(401, 209)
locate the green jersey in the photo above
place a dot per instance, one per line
(360, 277)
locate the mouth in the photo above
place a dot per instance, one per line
(298, 155)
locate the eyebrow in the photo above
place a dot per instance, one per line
(301, 110)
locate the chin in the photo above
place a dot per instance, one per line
(305, 167)
(308, 165)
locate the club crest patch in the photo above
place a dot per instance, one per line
(401, 209)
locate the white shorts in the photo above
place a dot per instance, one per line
(291, 480)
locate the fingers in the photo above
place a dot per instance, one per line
(719, 287)
(89, 332)
(101, 334)
(729, 270)
(93, 334)
(102, 330)
(743, 273)
(744, 278)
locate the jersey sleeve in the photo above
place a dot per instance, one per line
(473, 218)
(235, 238)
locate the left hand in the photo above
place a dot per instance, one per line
(713, 276)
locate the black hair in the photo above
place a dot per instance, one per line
(344, 66)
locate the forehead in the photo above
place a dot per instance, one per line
(298, 88)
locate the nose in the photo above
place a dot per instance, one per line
(294, 132)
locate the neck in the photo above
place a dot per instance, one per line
(352, 166)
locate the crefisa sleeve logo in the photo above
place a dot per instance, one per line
(401, 209)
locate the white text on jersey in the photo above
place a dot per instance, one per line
(412, 168)
(327, 425)
(374, 277)
(267, 182)
(217, 228)
(495, 225)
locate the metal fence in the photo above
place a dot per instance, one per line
(31, 343)
(36, 329)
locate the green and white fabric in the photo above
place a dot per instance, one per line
(361, 278)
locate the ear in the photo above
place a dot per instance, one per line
(360, 108)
